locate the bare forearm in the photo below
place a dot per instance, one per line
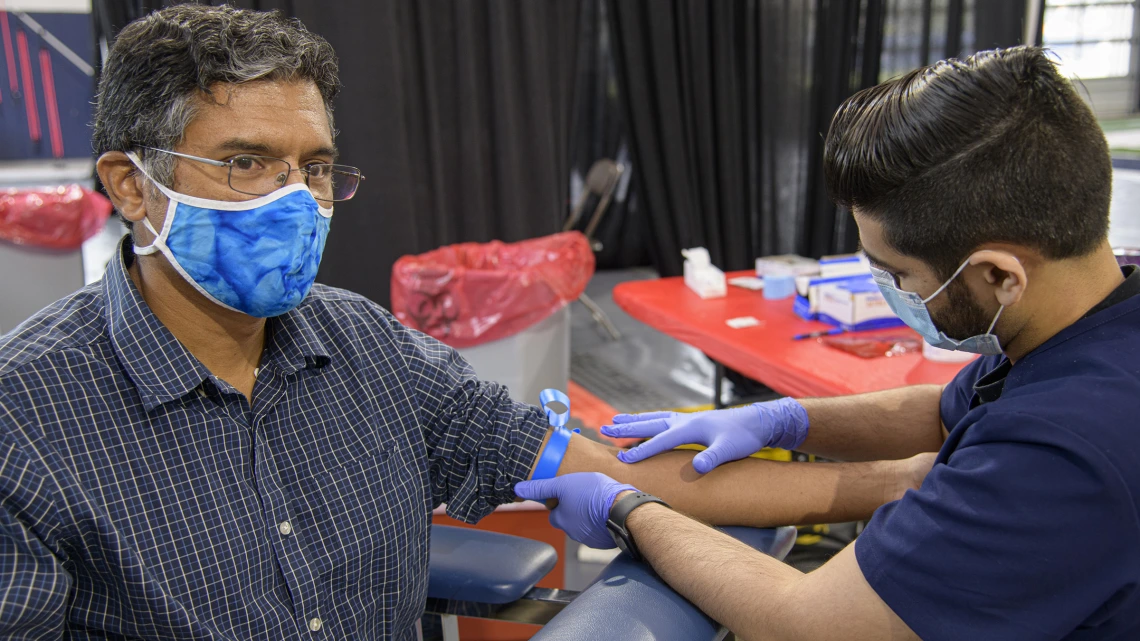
(731, 582)
(756, 596)
(751, 492)
(892, 424)
(764, 493)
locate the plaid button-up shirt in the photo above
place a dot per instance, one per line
(143, 497)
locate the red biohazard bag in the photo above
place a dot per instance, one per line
(52, 217)
(475, 293)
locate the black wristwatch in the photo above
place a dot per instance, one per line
(620, 512)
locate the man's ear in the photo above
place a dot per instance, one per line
(124, 184)
(1004, 272)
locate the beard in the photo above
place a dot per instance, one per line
(961, 316)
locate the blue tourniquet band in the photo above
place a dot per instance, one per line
(551, 457)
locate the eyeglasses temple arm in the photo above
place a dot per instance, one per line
(208, 161)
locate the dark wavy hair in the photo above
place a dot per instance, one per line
(163, 64)
(994, 148)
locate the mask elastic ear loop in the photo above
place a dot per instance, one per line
(156, 244)
(996, 317)
(1000, 310)
(161, 187)
(159, 239)
(947, 283)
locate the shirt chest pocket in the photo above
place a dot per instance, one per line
(360, 520)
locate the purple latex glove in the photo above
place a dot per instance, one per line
(584, 502)
(729, 434)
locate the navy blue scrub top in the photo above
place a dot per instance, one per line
(1028, 525)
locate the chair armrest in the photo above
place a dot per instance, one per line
(485, 567)
(629, 602)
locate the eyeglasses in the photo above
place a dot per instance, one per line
(261, 175)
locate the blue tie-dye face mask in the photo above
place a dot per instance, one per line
(258, 257)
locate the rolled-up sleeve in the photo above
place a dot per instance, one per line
(479, 442)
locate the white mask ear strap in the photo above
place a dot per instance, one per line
(138, 163)
(159, 237)
(154, 244)
(948, 281)
(996, 317)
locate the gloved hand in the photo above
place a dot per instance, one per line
(729, 434)
(584, 502)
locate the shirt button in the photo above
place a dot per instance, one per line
(286, 529)
(315, 624)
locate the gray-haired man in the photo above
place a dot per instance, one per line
(206, 444)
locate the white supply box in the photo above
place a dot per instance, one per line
(832, 270)
(701, 276)
(843, 265)
(855, 305)
(787, 264)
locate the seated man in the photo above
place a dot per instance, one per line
(207, 445)
(981, 190)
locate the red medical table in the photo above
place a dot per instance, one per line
(767, 353)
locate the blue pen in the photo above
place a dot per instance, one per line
(827, 332)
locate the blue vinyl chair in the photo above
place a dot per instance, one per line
(493, 576)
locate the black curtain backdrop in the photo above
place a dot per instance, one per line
(457, 113)
(848, 45)
(682, 69)
(726, 104)
(599, 131)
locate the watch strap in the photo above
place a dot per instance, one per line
(623, 506)
(619, 512)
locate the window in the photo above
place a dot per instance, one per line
(1092, 37)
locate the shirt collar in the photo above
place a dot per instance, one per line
(294, 343)
(1125, 290)
(160, 366)
(988, 388)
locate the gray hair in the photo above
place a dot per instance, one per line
(163, 64)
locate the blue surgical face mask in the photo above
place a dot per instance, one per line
(258, 257)
(911, 308)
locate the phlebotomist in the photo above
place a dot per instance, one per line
(981, 189)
